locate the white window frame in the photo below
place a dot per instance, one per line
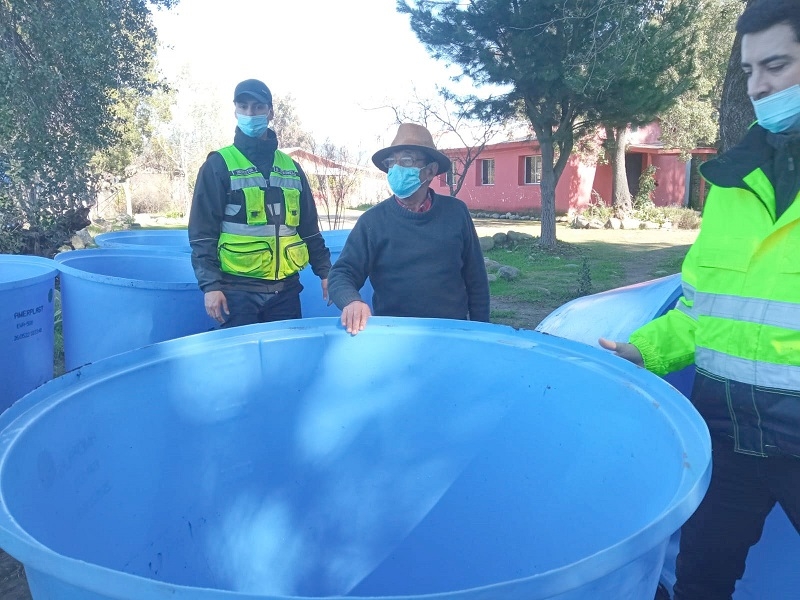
(532, 166)
(487, 171)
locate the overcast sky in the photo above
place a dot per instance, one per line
(337, 59)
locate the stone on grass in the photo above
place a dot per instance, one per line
(500, 239)
(491, 265)
(580, 222)
(631, 223)
(518, 236)
(507, 272)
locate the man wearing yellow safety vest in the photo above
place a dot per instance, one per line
(253, 224)
(739, 317)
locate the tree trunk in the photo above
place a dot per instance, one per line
(126, 188)
(548, 190)
(736, 111)
(617, 142)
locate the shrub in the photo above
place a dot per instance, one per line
(597, 208)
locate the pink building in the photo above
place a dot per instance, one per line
(506, 176)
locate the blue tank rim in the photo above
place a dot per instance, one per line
(42, 269)
(121, 239)
(63, 258)
(102, 580)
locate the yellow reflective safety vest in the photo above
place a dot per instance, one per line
(258, 237)
(739, 316)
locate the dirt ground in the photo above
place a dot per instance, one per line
(13, 585)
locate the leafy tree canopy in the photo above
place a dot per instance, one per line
(557, 59)
(71, 76)
(694, 119)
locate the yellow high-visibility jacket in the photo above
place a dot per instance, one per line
(739, 317)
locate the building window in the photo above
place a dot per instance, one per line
(533, 169)
(487, 171)
(450, 176)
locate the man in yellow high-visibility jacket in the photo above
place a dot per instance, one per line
(253, 224)
(739, 317)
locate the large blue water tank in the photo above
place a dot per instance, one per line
(771, 571)
(115, 299)
(311, 297)
(422, 457)
(138, 239)
(27, 289)
(311, 300)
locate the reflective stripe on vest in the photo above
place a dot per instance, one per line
(753, 372)
(752, 310)
(257, 230)
(771, 313)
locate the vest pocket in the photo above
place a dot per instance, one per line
(251, 259)
(296, 257)
(732, 255)
(292, 200)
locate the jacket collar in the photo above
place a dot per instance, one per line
(730, 168)
(256, 147)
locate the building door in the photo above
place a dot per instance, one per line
(633, 168)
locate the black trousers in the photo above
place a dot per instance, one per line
(716, 539)
(247, 308)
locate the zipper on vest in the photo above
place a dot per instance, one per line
(276, 210)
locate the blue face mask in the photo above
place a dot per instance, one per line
(779, 112)
(404, 181)
(254, 126)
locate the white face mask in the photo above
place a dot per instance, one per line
(779, 112)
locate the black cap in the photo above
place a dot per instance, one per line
(255, 88)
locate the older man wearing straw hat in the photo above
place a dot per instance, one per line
(419, 249)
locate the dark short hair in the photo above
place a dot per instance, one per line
(763, 14)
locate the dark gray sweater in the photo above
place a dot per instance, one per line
(420, 264)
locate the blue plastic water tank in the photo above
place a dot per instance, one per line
(466, 460)
(311, 297)
(178, 239)
(115, 299)
(771, 570)
(27, 288)
(143, 239)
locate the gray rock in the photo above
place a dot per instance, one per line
(613, 223)
(518, 236)
(631, 223)
(500, 239)
(580, 222)
(507, 272)
(491, 265)
(487, 243)
(491, 277)
(76, 242)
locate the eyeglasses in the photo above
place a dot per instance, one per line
(403, 161)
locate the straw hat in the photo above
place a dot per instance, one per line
(413, 137)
